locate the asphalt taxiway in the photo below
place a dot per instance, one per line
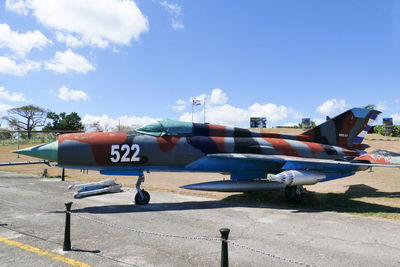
(179, 230)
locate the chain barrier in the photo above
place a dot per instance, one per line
(24, 206)
(204, 238)
(235, 244)
(146, 232)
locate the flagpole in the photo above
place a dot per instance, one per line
(192, 110)
(204, 109)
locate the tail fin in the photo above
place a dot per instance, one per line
(346, 130)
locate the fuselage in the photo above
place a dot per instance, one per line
(187, 152)
(325, 152)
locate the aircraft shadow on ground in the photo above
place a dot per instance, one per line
(350, 201)
(151, 207)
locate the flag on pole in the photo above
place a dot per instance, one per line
(196, 102)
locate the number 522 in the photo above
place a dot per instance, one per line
(125, 150)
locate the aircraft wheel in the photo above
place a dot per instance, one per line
(142, 201)
(294, 194)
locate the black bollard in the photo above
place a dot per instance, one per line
(224, 249)
(63, 175)
(67, 234)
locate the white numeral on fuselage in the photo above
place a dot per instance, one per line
(125, 150)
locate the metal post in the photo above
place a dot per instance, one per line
(204, 109)
(67, 233)
(63, 175)
(224, 249)
(18, 143)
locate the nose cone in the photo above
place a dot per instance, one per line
(46, 151)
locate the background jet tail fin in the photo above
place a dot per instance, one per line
(346, 130)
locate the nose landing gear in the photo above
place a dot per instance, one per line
(142, 197)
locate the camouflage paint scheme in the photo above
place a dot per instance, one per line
(331, 148)
(329, 151)
(380, 156)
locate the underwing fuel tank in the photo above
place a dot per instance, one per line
(236, 186)
(296, 177)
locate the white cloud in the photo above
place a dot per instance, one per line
(18, 6)
(172, 8)
(21, 43)
(332, 107)
(69, 61)
(397, 101)
(274, 113)
(109, 123)
(9, 66)
(201, 97)
(234, 116)
(13, 97)
(69, 40)
(318, 121)
(94, 22)
(177, 24)
(218, 112)
(382, 106)
(67, 94)
(225, 114)
(396, 118)
(4, 108)
(218, 97)
(180, 105)
(181, 102)
(175, 10)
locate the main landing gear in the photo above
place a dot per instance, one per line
(142, 197)
(294, 193)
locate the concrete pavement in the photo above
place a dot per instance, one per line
(106, 230)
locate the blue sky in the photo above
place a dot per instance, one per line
(136, 61)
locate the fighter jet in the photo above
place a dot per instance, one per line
(255, 161)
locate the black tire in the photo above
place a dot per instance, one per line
(293, 194)
(142, 201)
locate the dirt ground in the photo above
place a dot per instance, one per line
(375, 193)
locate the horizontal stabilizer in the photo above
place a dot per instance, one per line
(380, 157)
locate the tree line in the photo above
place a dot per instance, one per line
(30, 118)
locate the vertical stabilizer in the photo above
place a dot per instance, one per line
(347, 129)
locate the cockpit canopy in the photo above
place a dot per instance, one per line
(167, 127)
